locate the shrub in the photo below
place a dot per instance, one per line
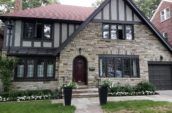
(144, 86)
(106, 83)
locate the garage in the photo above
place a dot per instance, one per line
(160, 74)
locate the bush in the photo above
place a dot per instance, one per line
(144, 86)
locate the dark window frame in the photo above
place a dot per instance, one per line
(122, 57)
(124, 31)
(34, 37)
(35, 76)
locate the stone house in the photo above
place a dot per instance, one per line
(60, 43)
(162, 19)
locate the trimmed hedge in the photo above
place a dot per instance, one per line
(143, 88)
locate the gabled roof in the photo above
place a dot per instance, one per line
(134, 8)
(55, 12)
(162, 1)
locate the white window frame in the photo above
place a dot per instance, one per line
(165, 15)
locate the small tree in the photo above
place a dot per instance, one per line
(6, 71)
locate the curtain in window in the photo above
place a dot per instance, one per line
(30, 68)
(50, 68)
(40, 69)
(20, 71)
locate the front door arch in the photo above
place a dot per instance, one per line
(80, 70)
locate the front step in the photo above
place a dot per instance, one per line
(85, 92)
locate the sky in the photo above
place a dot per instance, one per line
(86, 3)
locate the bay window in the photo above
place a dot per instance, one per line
(118, 31)
(35, 69)
(119, 66)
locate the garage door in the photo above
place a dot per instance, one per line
(161, 76)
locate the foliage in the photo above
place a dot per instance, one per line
(35, 107)
(148, 7)
(139, 106)
(106, 83)
(30, 95)
(6, 70)
(8, 5)
(70, 85)
(143, 88)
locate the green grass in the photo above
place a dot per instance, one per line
(34, 107)
(138, 107)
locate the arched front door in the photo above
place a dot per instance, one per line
(80, 70)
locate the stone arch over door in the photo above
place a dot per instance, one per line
(80, 70)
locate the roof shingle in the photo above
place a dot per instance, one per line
(55, 11)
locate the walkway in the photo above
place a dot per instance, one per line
(87, 105)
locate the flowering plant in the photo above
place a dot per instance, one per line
(71, 85)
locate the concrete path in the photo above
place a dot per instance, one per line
(87, 105)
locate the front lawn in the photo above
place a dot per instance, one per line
(34, 107)
(138, 107)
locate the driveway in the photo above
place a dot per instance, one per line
(165, 93)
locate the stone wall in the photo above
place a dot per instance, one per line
(145, 44)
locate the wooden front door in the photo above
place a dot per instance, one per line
(80, 70)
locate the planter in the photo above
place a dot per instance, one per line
(103, 93)
(67, 96)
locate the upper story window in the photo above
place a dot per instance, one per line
(119, 66)
(117, 31)
(37, 31)
(165, 14)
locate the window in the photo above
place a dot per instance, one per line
(165, 35)
(30, 68)
(115, 31)
(119, 66)
(165, 14)
(20, 69)
(33, 30)
(35, 69)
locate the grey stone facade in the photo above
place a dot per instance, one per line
(145, 44)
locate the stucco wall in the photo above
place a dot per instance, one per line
(145, 44)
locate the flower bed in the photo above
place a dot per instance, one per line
(30, 95)
(143, 88)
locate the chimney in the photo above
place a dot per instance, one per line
(18, 5)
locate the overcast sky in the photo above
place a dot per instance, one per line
(86, 3)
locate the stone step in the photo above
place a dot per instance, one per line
(85, 95)
(85, 87)
(89, 90)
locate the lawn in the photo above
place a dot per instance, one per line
(34, 107)
(138, 107)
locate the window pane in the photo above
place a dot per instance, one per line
(28, 30)
(50, 69)
(168, 13)
(118, 67)
(47, 31)
(120, 32)
(103, 67)
(134, 63)
(129, 32)
(30, 68)
(106, 31)
(113, 32)
(20, 71)
(127, 68)
(39, 30)
(40, 69)
(111, 67)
